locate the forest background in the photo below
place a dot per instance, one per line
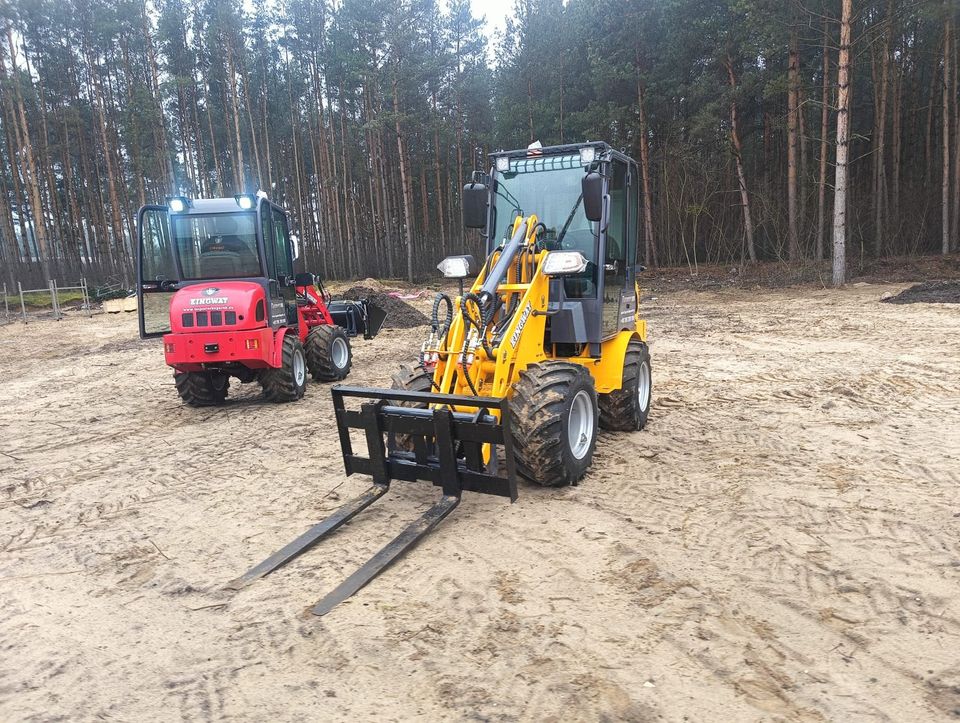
(766, 129)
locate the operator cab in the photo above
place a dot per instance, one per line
(203, 241)
(586, 196)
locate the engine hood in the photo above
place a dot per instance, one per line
(225, 305)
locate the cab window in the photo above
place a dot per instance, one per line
(281, 245)
(266, 229)
(216, 246)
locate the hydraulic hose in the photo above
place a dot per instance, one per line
(435, 324)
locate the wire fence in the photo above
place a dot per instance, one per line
(48, 302)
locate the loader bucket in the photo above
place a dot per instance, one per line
(362, 317)
(447, 451)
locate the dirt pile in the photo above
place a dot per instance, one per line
(400, 315)
(929, 292)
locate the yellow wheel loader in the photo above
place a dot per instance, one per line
(520, 371)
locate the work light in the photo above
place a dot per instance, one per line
(178, 204)
(562, 263)
(503, 164)
(457, 267)
(245, 201)
(588, 155)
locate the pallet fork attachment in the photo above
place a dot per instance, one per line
(447, 450)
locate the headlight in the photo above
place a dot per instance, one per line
(456, 267)
(246, 201)
(561, 263)
(178, 204)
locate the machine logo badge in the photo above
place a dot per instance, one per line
(515, 337)
(210, 291)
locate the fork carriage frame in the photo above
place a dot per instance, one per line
(456, 461)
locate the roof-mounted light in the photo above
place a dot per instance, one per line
(503, 164)
(562, 263)
(246, 201)
(178, 204)
(588, 155)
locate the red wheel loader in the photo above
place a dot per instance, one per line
(215, 278)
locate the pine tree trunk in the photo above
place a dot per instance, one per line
(650, 247)
(896, 151)
(793, 75)
(824, 147)
(879, 189)
(238, 174)
(738, 158)
(439, 185)
(843, 133)
(947, 85)
(955, 224)
(404, 173)
(29, 169)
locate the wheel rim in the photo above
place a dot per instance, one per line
(299, 368)
(340, 352)
(643, 386)
(580, 424)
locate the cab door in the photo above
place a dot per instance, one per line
(279, 258)
(157, 275)
(617, 243)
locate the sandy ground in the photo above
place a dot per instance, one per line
(779, 544)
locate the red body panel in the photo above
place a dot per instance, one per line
(188, 352)
(225, 314)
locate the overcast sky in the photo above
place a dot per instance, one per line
(495, 12)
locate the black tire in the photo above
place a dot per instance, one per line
(288, 382)
(416, 379)
(627, 409)
(329, 356)
(202, 389)
(540, 411)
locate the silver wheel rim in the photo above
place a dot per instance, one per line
(580, 425)
(340, 352)
(299, 368)
(643, 386)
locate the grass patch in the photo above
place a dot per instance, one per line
(41, 299)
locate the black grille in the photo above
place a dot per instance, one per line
(208, 318)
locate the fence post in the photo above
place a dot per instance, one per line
(53, 300)
(86, 298)
(23, 307)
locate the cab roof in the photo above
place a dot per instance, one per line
(217, 205)
(602, 147)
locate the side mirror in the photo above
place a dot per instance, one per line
(592, 187)
(295, 242)
(475, 205)
(304, 280)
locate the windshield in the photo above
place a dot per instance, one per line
(548, 186)
(216, 246)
